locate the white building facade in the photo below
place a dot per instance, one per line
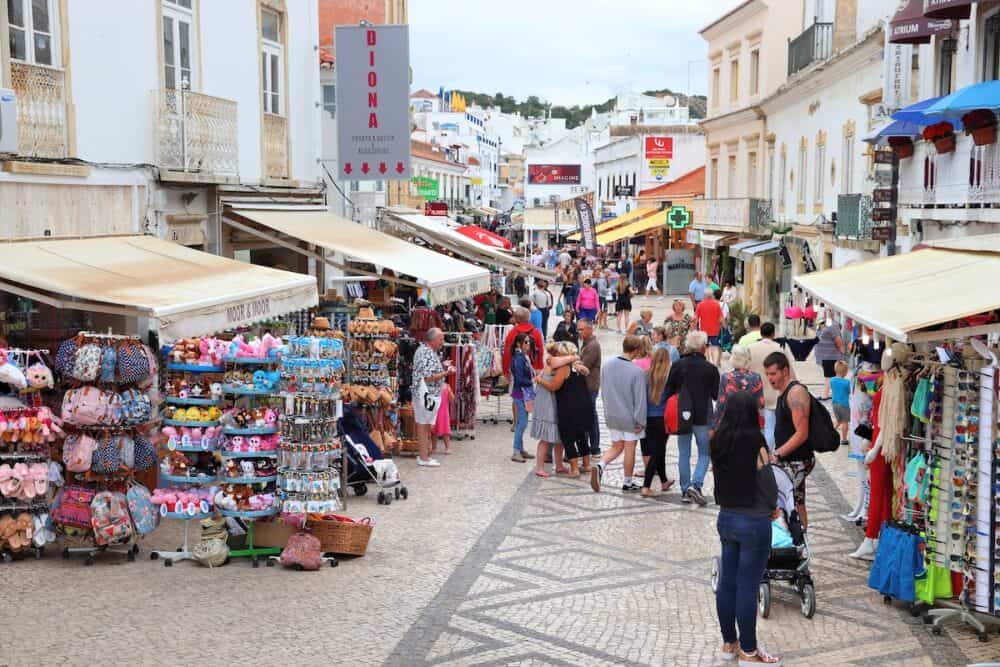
(559, 170)
(147, 117)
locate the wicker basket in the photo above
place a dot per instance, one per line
(340, 537)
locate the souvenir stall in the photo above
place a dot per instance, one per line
(493, 385)
(461, 349)
(931, 519)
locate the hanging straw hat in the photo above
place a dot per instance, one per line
(321, 324)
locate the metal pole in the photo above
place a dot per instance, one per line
(893, 201)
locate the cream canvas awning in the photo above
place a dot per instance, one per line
(445, 278)
(653, 219)
(440, 234)
(188, 292)
(900, 295)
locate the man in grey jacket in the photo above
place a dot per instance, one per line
(623, 386)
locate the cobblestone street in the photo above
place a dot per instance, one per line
(484, 565)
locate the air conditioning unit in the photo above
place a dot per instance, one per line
(8, 121)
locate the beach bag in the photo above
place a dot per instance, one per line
(109, 360)
(78, 452)
(145, 518)
(111, 453)
(133, 365)
(72, 506)
(110, 519)
(303, 552)
(484, 361)
(90, 406)
(154, 367)
(145, 453)
(87, 363)
(136, 407)
(66, 355)
(560, 310)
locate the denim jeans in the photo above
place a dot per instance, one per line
(595, 428)
(520, 425)
(769, 422)
(700, 434)
(746, 545)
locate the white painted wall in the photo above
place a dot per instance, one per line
(571, 150)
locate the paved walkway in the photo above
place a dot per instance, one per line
(484, 565)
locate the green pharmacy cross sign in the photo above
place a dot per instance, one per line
(426, 187)
(679, 217)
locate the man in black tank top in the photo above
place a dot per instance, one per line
(791, 428)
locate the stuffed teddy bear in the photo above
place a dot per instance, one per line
(225, 499)
(232, 469)
(215, 391)
(253, 443)
(247, 469)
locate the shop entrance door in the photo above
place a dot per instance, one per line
(679, 269)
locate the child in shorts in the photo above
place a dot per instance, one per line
(840, 388)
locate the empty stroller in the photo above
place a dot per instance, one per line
(790, 563)
(366, 464)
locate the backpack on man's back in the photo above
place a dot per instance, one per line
(823, 435)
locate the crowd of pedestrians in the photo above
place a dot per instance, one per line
(667, 379)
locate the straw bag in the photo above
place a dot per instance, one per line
(211, 553)
(340, 534)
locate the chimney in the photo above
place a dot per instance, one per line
(845, 24)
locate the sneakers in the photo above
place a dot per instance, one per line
(430, 463)
(630, 487)
(518, 457)
(596, 473)
(695, 494)
(686, 497)
(730, 651)
(758, 657)
(527, 455)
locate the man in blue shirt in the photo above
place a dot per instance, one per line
(536, 315)
(697, 289)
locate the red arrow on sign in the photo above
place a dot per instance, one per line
(347, 168)
(382, 168)
(400, 168)
(364, 168)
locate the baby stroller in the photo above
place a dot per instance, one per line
(790, 563)
(366, 464)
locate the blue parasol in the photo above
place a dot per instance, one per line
(985, 95)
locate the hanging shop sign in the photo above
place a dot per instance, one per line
(882, 195)
(897, 65)
(883, 215)
(373, 120)
(624, 191)
(426, 187)
(679, 217)
(883, 157)
(585, 216)
(881, 233)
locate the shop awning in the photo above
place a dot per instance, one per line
(713, 241)
(766, 248)
(431, 229)
(900, 295)
(948, 9)
(485, 237)
(910, 26)
(446, 278)
(188, 292)
(655, 219)
(613, 223)
(736, 248)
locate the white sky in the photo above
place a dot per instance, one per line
(564, 51)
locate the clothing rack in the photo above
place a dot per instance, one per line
(500, 410)
(464, 384)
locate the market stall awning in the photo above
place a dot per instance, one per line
(654, 220)
(900, 295)
(766, 248)
(948, 9)
(485, 237)
(910, 26)
(431, 230)
(712, 241)
(188, 292)
(621, 220)
(446, 278)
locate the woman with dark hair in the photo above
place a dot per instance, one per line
(747, 495)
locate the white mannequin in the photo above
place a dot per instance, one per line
(866, 551)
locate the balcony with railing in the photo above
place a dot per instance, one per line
(41, 110)
(744, 215)
(275, 146)
(196, 135)
(968, 175)
(813, 45)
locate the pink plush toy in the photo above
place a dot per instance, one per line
(40, 376)
(271, 418)
(269, 443)
(53, 422)
(269, 344)
(253, 443)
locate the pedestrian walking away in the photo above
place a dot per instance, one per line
(695, 381)
(828, 351)
(710, 318)
(623, 305)
(654, 445)
(791, 428)
(747, 496)
(543, 301)
(623, 385)
(840, 390)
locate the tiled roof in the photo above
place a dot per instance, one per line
(426, 151)
(691, 184)
(473, 162)
(344, 12)
(423, 94)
